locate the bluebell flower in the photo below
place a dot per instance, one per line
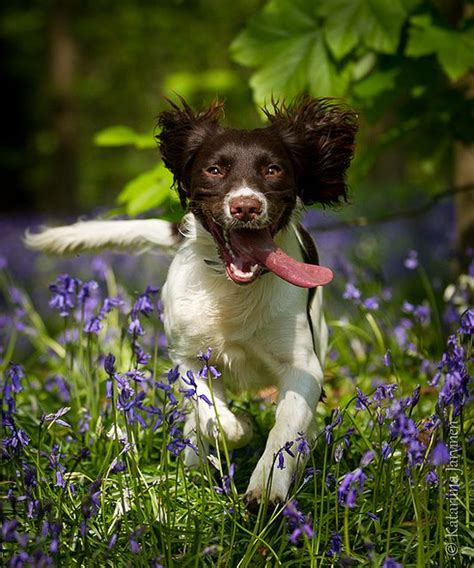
(387, 358)
(411, 262)
(371, 303)
(351, 292)
(297, 522)
(224, 489)
(91, 504)
(207, 370)
(454, 391)
(386, 450)
(109, 364)
(440, 454)
(467, 320)
(384, 391)
(431, 478)
(85, 291)
(302, 445)
(64, 294)
(336, 544)
(56, 417)
(367, 458)
(144, 303)
(112, 541)
(142, 357)
(391, 563)
(362, 401)
(351, 485)
(135, 328)
(93, 325)
(57, 382)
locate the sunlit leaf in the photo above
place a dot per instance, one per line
(454, 49)
(149, 190)
(373, 23)
(285, 42)
(376, 83)
(187, 83)
(124, 136)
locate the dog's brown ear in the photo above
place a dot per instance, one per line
(182, 132)
(319, 135)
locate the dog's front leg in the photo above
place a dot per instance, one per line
(212, 422)
(299, 395)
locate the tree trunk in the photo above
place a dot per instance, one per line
(464, 202)
(60, 195)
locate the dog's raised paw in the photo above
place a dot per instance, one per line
(254, 501)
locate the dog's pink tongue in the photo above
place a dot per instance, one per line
(258, 246)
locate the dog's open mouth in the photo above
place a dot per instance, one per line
(247, 252)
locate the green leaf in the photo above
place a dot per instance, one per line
(285, 42)
(147, 191)
(373, 23)
(453, 48)
(187, 83)
(376, 83)
(124, 136)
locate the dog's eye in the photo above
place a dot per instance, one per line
(273, 170)
(214, 171)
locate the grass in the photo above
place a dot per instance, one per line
(92, 442)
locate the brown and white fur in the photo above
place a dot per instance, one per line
(263, 329)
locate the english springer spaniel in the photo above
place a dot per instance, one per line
(245, 279)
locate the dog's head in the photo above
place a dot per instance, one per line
(244, 184)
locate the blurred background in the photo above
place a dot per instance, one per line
(83, 83)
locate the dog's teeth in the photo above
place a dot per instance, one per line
(240, 273)
(253, 268)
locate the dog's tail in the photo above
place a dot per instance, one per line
(94, 236)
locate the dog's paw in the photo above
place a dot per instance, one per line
(237, 430)
(253, 501)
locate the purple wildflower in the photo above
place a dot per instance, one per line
(432, 478)
(440, 454)
(367, 458)
(351, 485)
(302, 445)
(391, 563)
(144, 302)
(351, 292)
(384, 391)
(411, 262)
(386, 450)
(387, 358)
(85, 291)
(371, 303)
(109, 364)
(402, 426)
(467, 321)
(55, 417)
(336, 544)
(362, 401)
(57, 382)
(298, 524)
(329, 429)
(207, 369)
(91, 504)
(224, 489)
(64, 294)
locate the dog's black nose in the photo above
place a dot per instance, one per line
(245, 208)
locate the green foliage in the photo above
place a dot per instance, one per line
(151, 189)
(123, 136)
(453, 48)
(286, 42)
(401, 61)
